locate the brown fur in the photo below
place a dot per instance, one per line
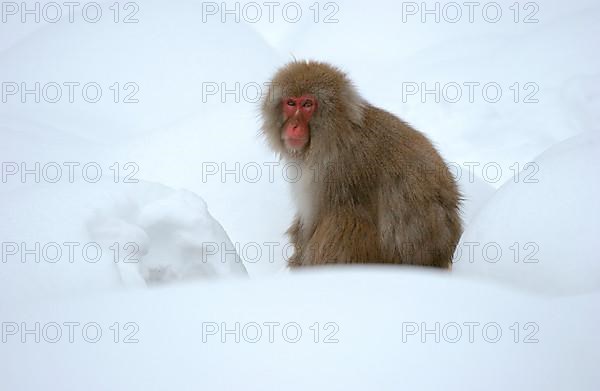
(378, 190)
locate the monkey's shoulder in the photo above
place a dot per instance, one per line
(392, 138)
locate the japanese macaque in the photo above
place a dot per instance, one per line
(372, 189)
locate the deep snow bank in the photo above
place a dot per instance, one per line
(339, 329)
(542, 235)
(71, 239)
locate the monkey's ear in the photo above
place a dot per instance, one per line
(272, 116)
(271, 99)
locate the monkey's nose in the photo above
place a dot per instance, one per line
(296, 130)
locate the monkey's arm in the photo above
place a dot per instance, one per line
(294, 235)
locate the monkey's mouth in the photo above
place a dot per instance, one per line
(295, 143)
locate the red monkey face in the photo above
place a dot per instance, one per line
(297, 112)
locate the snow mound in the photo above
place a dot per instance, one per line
(331, 324)
(475, 193)
(65, 239)
(176, 237)
(541, 235)
(582, 96)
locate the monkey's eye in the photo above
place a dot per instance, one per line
(308, 103)
(291, 103)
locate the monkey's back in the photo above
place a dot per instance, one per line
(415, 200)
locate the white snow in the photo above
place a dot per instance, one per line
(377, 320)
(188, 191)
(64, 239)
(541, 235)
